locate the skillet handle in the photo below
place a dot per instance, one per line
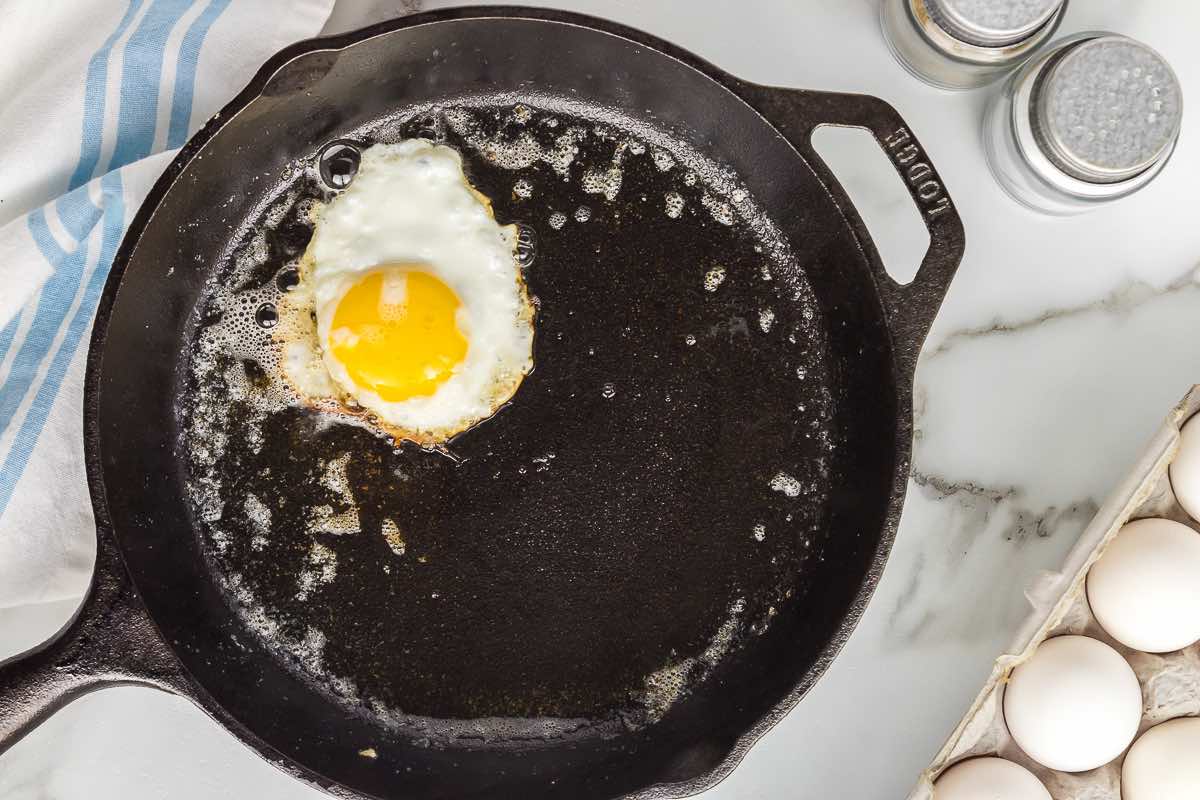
(910, 307)
(110, 641)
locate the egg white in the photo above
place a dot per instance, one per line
(411, 204)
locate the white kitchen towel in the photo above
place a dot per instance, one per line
(95, 98)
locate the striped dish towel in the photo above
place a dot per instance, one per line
(95, 98)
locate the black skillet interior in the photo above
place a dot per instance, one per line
(604, 525)
(561, 584)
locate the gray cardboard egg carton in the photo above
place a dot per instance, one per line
(1170, 682)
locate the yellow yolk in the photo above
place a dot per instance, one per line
(395, 331)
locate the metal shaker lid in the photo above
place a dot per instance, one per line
(1106, 109)
(991, 23)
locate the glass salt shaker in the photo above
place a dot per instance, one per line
(964, 44)
(1092, 119)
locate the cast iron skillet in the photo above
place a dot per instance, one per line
(156, 614)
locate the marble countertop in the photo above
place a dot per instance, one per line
(1060, 348)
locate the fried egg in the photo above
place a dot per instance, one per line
(410, 309)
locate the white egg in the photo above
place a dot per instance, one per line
(1185, 469)
(1074, 705)
(1145, 589)
(988, 779)
(1164, 763)
(422, 316)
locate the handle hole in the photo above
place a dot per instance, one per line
(882, 200)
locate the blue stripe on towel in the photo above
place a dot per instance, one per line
(185, 72)
(26, 438)
(140, 79)
(6, 335)
(95, 88)
(54, 299)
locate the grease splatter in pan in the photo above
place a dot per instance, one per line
(596, 548)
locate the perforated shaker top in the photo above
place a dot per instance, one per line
(991, 23)
(1107, 109)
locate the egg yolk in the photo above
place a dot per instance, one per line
(396, 333)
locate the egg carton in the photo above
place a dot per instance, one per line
(1170, 681)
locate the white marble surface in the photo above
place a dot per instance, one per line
(1060, 347)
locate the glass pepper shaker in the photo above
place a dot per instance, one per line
(1092, 119)
(963, 44)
